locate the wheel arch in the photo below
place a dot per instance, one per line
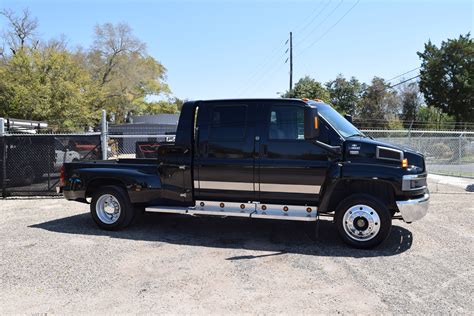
(380, 189)
(94, 184)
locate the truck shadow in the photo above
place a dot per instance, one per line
(278, 237)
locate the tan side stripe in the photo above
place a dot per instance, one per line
(264, 187)
(220, 185)
(290, 188)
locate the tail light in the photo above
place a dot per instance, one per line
(62, 179)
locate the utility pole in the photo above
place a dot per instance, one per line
(291, 64)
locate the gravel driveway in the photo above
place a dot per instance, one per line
(55, 260)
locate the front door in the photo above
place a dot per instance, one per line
(290, 170)
(225, 151)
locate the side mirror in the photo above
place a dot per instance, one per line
(311, 123)
(348, 117)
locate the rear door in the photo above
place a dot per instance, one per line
(225, 151)
(290, 170)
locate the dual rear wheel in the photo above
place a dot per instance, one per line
(111, 208)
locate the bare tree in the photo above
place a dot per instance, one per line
(111, 42)
(21, 29)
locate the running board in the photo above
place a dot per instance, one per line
(249, 210)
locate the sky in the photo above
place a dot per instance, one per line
(234, 49)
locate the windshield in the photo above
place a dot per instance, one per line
(337, 121)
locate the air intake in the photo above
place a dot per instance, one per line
(389, 153)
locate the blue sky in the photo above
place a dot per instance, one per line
(223, 49)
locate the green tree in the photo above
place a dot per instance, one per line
(46, 84)
(433, 118)
(379, 106)
(447, 77)
(309, 88)
(127, 75)
(411, 102)
(345, 94)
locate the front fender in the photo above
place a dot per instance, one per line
(347, 173)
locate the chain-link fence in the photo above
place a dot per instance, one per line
(30, 164)
(138, 140)
(446, 152)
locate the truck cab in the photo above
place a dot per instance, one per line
(279, 159)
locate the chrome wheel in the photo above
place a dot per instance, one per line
(107, 208)
(361, 222)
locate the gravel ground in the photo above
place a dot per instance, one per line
(54, 260)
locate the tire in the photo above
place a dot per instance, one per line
(111, 208)
(363, 221)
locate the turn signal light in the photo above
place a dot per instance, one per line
(316, 123)
(405, 163)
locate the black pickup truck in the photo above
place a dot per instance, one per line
(281, 159)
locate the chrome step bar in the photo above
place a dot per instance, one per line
(249, 210)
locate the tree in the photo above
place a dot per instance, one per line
(447, 77)
(308, 88)
(345, 94)
(21, 31)
(411, 102)
(44, 80)
(127, 75)
(379, 106)
(434, 118)
(46, 84)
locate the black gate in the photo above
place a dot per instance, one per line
(30, 164)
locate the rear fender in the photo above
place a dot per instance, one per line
(141, 187)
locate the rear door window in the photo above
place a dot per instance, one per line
(228, 123)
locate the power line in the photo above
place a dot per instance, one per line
(320, 23)
(267, 65)
(402, 82)
(403, 74)
(300, 31)
(260, 68)
(331, 27)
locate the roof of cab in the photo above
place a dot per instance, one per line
(307, 101)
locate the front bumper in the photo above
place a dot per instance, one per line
(414, 209)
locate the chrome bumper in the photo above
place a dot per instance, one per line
(413, 210)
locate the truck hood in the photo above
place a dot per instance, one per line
(367, 150)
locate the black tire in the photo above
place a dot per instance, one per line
(366, 205)
(126, 213)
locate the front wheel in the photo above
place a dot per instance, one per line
(363, 221)
(111, 208)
